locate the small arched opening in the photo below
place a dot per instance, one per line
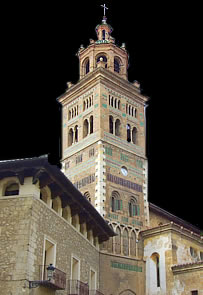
(85, 128)
(117, 127)
(128, 133)
(76, 133)
(104, 59)
(111, 124)
(70, 137)
(86, 66)
(91, 125)
(134, 135)
(116, 65)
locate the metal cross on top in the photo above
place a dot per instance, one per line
(104, 6)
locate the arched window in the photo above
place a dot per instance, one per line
(104, 58)
(87, 66)
(76, 133)
(118, 241)
(87, 196)
(128, 133)
(115, 103)
(110, 124)
(133, 208)
(112, 100)
(91, 124)
(125, 243)
(134, 135)
(119, 104)
(155, 266)
(70, 137)
(12, 189)
(133, 244)
(129, 110)
(117, 127)
(103, 34)
(116, 65)
(116, 202)
(85, 128)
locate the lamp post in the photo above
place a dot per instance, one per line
(50, 272)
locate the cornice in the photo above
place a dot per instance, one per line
(187, 267)
(109, 79)
(169, 228)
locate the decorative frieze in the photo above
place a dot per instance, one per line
(124, 182)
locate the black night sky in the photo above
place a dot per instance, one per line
(39, 43)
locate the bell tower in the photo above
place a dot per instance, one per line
(103, 53)
(103, 152)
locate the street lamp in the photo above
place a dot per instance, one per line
(50, 272)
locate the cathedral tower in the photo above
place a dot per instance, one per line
(104, 150)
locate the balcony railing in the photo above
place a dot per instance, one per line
(95, 292)
(76, 287)
(58, 280)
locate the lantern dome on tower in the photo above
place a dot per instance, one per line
(104, 31)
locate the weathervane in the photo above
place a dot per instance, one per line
(104, 6)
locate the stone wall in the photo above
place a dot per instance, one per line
(121, 275)
(25, 223)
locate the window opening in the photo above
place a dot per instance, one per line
(92, 282)
(116, 65)
(49, 256)
(133, 208)
(103, 34)
(87, 67)
(104, 59)
(117, 127)
(128, 133)
(76, 133)
(70, 137)
(111, 124)
(85, 128)
(157, 271)
(12, 190)
(134, 135)
(75, 269)
(91, 124)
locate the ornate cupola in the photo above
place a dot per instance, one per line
(104, 31)
(103, 53)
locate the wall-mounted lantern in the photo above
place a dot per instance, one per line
(50, 272)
